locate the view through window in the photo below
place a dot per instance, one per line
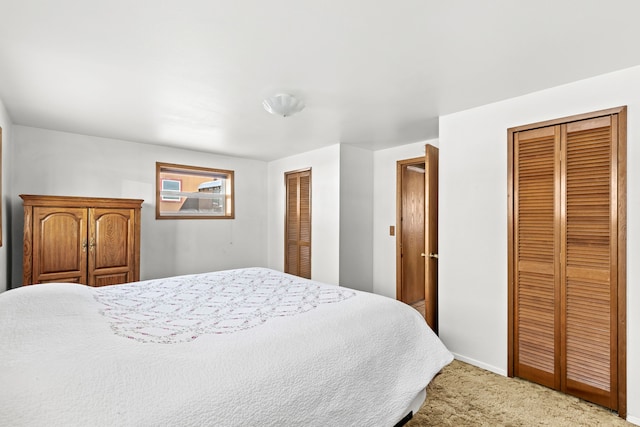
(193, 192)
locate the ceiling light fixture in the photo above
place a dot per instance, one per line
(283, 104)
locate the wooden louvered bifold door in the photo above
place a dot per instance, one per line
(536, 260)
(567, 258)
(298, 224)
(589, 274)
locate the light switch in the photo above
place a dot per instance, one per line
(392, 230)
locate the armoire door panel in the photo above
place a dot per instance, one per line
(60, 240)
(111, 248)
(105, 278)
(63, 278)
(110, 232)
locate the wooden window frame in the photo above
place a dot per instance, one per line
(190, 177)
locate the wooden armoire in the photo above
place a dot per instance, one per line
(567, 255)
(87, 240)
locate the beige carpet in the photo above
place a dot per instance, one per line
(463, 395)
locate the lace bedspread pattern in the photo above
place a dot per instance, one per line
(180, 309)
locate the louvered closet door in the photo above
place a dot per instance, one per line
(568, 260)
(536, 177)
(590, 279)
(298, 224)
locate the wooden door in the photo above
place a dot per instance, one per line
(431, 237)
(567, 263)
(412, 230)
(59, 245)
(537, 308)
(417, 237)
(298, 223)
(111, 252)
(590, 265)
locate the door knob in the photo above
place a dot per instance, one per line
(432, 255)
(423, 255)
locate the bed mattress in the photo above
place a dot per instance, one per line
(246, 347)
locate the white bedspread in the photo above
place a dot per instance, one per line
(249, 347)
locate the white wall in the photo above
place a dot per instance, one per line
(7, 146)
(58, 163)
(356, 218)
(473, 216)
(325, 211)
(384, 208)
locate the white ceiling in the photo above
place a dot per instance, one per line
(193, 73)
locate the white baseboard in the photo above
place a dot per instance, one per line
(480, 364)
(633, 420)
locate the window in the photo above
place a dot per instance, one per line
(169, 185)
(191, 192)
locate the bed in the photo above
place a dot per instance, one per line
(244, 347)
